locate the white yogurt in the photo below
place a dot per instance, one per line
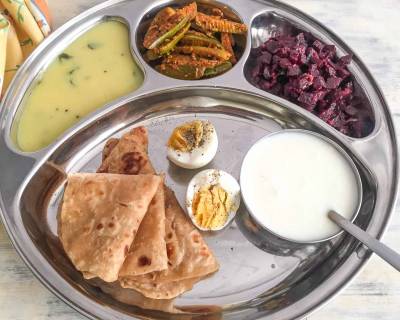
(291, 179)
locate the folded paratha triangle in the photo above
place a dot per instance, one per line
(99, 219)
(128, 155)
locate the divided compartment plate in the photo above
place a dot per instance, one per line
(260, 275)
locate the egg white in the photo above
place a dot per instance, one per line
(213, 177)
(198, 157)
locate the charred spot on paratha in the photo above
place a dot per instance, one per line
(170, 250)
(133, 162)
(144, 261)
(122, 204)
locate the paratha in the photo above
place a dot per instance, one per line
(99, 219)
(160, 291)
(128, 155)
(190, 259)
(148, 251)
(132, 297)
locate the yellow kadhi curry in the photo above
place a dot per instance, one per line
(94, 70)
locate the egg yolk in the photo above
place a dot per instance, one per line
(211, 205)
(187, 137)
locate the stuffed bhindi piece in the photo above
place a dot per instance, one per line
(167, 46)
(154, 30)
(212, 72)
(227, 44)
(197, 28)
(192, 68)
(217, 24)
(184, 72)
(195, 38)
(205, 52)
(181, 59)
(167, 23)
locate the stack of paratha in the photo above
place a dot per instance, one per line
(164, 258)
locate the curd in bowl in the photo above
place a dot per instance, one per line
(291, 179)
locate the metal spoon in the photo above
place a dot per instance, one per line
(387, 254)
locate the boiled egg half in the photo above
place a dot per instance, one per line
(193, 144)
(212, 199)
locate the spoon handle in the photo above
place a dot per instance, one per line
(376, 246)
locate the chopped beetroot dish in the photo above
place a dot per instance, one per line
(308, 72)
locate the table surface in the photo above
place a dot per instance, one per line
(372, 29)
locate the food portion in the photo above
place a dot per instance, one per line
(123, 224)
(218, 24)
(189, 258)
(128, 156)
(193, 145)
(92, 71)
(100, 217)
(210, 206)
(166, 24)
(187, 44)
(212, 199)
(308, 72)
(292, 193)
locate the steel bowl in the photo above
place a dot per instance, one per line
(340, 150)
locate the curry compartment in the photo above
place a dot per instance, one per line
(192, 40)
(97, 64)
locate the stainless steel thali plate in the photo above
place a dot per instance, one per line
(261, 276)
